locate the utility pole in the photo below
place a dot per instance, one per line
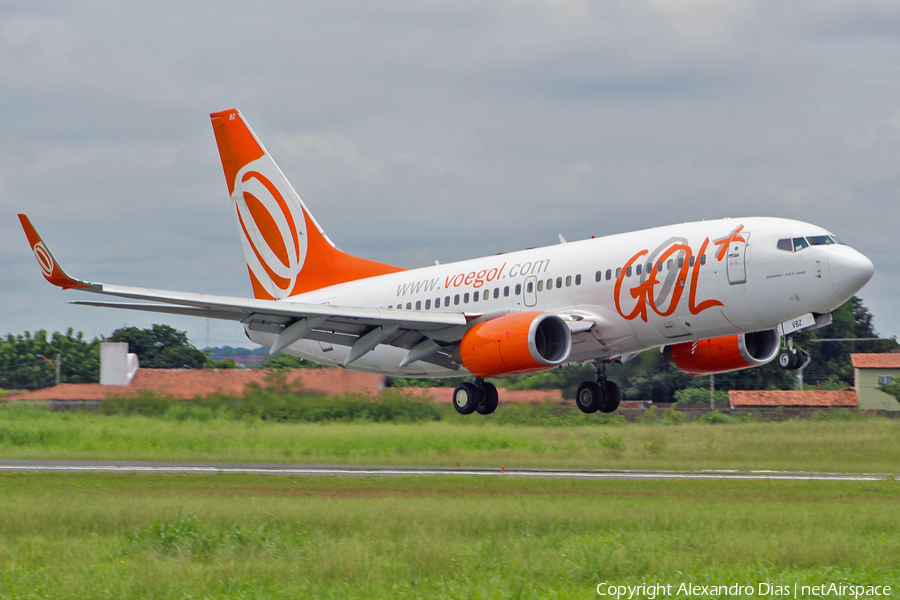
(58, 368)
(712, 392)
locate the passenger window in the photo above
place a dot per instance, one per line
(409, 306)
(549, 284)
(391, 306)
(475, 297)
(628, 272)
(659, 267)
(496, 293)
(609, 274)
(785, 245)
(437, 302)
(619, 273)
(418, 305)
(447, 301)
(702, 259)
(506, 291)
(637, 270)
(691, 262)
(428, 305)
(669, 264)
(558, 282)
(466, 298)
(568, 281)
(578, 279)
(540, 286)
(598, 276)
(800, 244)
(649, 268)
(455, 299)
(681, 263)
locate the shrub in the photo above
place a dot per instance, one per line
(700, 396)
(616, 443)
(716, 418)
(672, 417)
(656, 445)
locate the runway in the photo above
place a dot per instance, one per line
(64, 466)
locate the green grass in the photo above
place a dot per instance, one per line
(871, 445)
(236, 536)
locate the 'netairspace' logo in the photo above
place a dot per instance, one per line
(650, 591)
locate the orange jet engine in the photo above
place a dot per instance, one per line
(515, 343)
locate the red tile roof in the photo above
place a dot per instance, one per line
(187, 384)
(845, 397)
(875, 361)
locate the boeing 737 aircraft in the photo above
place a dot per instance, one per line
(715, 295)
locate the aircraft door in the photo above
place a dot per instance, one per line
(529, 292)
(737, 260)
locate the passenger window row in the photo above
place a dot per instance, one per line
(486, 294)
(648, 268)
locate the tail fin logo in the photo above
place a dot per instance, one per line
(274, 237)
(45, 260)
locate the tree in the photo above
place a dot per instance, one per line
(22, 368)
(161, 347)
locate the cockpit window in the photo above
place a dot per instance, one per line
(799, 243)
(820, 240)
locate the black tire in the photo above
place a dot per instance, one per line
(489, 399)
(797, 360)
(613, 398)
(465, 398)
(589, 397)
(786, 359)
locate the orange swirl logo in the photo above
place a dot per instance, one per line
(271, 234)
(44, 259)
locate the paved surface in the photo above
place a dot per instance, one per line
(65, 466)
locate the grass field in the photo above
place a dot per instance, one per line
(871, 445)
(143, 536)
(242, 536)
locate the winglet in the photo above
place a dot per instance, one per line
(49, 267)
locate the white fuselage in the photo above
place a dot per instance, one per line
(744, 282)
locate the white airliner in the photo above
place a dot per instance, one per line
(716, 295)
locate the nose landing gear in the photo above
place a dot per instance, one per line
(791, 358)
(600, 394)
(478, 396)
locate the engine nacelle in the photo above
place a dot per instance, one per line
(515, 343)
(723, 354)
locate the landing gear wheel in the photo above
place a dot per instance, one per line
(589, 397)
(790, 359)
(465, 398)
(786, 359)
(489, 399)
(613, 398)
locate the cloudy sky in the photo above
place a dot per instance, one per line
(417, 131)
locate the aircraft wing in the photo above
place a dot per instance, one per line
(360, 328)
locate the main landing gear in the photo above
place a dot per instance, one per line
(478, 396)
(791, 358)
(600, 394)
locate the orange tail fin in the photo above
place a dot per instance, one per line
(287, 252)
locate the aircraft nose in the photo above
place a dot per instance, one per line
(849, 270)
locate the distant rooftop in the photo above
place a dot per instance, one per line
(875, 361)
(845, 397)
(187, 384)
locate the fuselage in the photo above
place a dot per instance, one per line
(630, 292)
